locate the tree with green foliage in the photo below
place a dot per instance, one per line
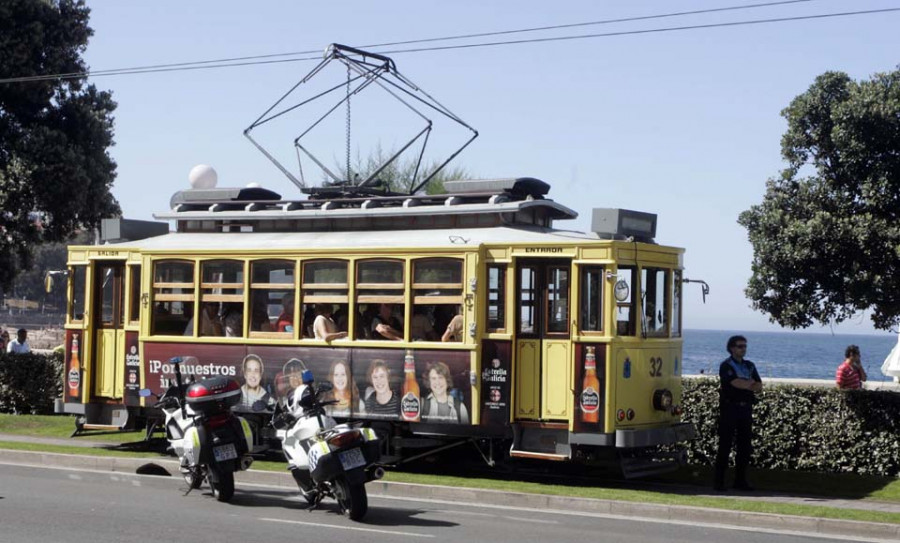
(401, 175)
(826, 237)
(55, 171)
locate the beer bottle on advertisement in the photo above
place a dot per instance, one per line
(590, 390)
(410, 403)
(74, 377)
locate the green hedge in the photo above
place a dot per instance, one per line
(29, 383)
(805, 428)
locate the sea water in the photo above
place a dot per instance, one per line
(787, 354)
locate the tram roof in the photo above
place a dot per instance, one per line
(370, 239)
(342, 203)
(450, 205)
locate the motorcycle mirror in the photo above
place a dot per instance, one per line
(145, 393)
(307, 377)
(283, 421)
(324, 387)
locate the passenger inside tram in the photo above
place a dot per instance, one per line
(421, 328)
(385, 325)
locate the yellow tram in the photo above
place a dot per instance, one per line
(466, 316)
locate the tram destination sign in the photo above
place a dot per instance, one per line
(544, 251)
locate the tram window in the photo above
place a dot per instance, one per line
(625, 299)
(222, 298)
(592, 299)
(380, 295)
(676, 304)
(557, 300)
(173, 298)
(325, 293)
(134, 310)
(77, 276)
(272, 284)
(496, 303)
(654, 301)
(107, 295)
(437, 299)
(528, 302)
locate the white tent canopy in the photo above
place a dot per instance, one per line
(891, 364)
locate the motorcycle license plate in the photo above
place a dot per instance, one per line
(224, 452)
(352, 459)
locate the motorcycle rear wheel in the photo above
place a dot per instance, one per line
(351, 498)
(222, 484)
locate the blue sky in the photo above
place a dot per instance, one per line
(683, 124)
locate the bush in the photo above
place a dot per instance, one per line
(805, 428)
(29, 383)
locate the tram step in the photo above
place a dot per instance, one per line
(543, 441)
(537, 456)
(104, 417)
(104, 427)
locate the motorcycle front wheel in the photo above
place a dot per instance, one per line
(351, 498)
(222, 484)
(193, 479)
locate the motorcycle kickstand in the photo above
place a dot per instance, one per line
(198, 473)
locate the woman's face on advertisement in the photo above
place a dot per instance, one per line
(380, 380)
(253, 374)
(437, 383)
(339, 379)
(295, 378)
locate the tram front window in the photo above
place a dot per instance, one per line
(625, 298)
(676, 304)
(655, 299)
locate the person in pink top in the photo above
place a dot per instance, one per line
(850, 374)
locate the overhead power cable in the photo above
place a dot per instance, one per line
(228, 61)
(638, 32)
(253, 61)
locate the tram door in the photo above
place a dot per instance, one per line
(109, 333)
(543, 350)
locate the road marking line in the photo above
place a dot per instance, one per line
(532, 520)
(463, 513)
(733, 527)
(322, 525)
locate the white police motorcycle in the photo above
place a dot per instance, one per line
(326, 459)
(210, 441)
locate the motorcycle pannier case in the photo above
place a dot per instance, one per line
(213, 395)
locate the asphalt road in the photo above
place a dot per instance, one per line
(50, 505)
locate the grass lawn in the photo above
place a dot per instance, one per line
(679, 488)
(57, 426)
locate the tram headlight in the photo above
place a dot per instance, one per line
(663, 400)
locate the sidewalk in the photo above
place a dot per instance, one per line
(829, 527)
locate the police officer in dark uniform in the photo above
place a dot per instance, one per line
(739, 383)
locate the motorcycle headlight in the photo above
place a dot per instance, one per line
(662, 400)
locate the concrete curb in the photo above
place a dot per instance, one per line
(651, 511)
